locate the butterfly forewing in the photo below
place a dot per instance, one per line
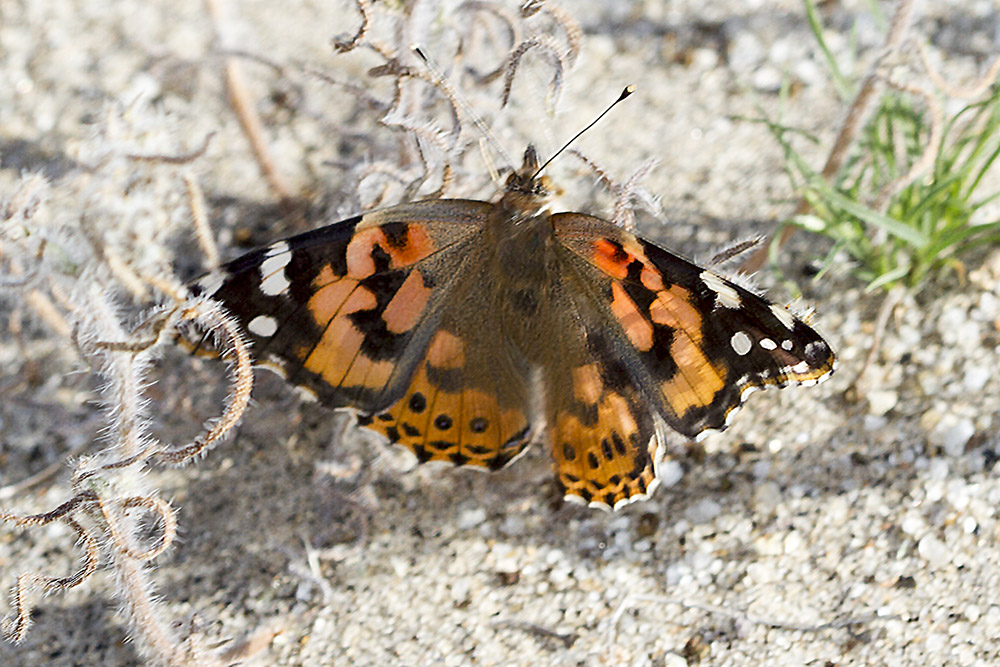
(697, 343)
(343, 311)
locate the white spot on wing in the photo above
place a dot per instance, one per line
(768, 344)
(212, 283)
(802, 368)
(741, 343)
(787, 344)
(785, 317)
(726, 295)
(272, 269)
(263, 326)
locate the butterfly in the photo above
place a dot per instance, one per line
(467, 330)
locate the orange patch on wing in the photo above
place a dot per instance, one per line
(365, 372)
(611, 258)
(697, 380)
(407, 305)
(587, 385)
(335, 353)
(325, 277)
(327, 301)
(359, 253)
(638, 330)
(477, 427)
(417, 246)
(673, 308)
(414, 246)
(446, 350)
(651, 278)
(595, 461)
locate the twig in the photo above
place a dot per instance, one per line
(242, 103)
(929, 154)
(889, 303)
(629, 598)
(199, 218)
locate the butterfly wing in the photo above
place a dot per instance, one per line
(699, 344)
(373, 313)
(468, 400)
(665, 341)
(336, 309)
(606, 441)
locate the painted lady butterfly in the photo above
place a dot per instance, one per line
(466, 330)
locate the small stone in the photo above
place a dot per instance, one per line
(671, 472)
(703, 511)
(934, 551)
(745, 52)
(471, 518)
(766, 79)
(674, 660)
(881, 401)
(793, 542)
(976, 376)
(952, 434)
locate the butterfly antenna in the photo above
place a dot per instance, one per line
(459, 100)
(625, 93)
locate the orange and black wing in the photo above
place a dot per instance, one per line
(665, 340)
(387, 314)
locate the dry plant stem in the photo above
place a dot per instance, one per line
(926, 159)
(851, 125)
(506, 16)
(966, 93)
(125, 372)
(729, 613)
(234, 349)
(360, 92)
(183, 158)
(461, 105)
(574, 33)
(344, 45)
(545, 44)
(48, 313)
(566, 639)
(17, 627)
(158, 506)
(624, 212)
(119, 268)
(889, 303)
(242, 103)
(199, 218)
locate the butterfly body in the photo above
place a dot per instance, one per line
(466, 330)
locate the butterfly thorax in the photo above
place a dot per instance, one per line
(522, 249)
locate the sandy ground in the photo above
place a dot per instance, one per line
(819, 529)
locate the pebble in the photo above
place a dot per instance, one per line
(703, 511)
(934, 551)
(674, 660)
(471, 518)
(975, 377)
(880, 401)
(952, 434)
(671, 472)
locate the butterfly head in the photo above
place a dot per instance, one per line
(525, 189)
